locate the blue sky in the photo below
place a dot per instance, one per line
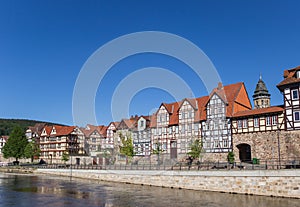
(44, 44)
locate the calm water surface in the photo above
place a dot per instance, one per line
(16, 190)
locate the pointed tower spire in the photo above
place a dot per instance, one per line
(261, 97)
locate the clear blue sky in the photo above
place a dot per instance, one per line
(44, 44)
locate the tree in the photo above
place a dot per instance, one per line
(65, 157)
(15, 144)
(31, 150)
(230, 157)
(157, 150)
(196, 149)
(126, 147)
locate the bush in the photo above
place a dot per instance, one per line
(230, 157)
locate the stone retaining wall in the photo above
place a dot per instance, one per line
(281, 183)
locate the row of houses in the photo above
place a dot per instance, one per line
(224, 121)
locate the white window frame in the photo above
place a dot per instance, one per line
(297, 94)
(294, 115)
(245, 123)
(268, 121)
(239, 124)
(256, 122)
(274, 120)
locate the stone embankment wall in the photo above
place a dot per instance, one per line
(281, 183)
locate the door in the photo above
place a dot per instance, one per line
(173, 149)
(244, 152)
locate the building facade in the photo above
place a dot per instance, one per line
(224, 121)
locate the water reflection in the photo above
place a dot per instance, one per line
(46, 191)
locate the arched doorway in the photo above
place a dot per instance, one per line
(244, 152)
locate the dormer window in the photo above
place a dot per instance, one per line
(298, 74)
(295, 94)
(142, 123)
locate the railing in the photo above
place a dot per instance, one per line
(183, 166)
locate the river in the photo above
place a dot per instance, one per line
(44, 191)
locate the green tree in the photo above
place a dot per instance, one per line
(15, 144)
(230, 157)
(31, 150)
(196, 149)
(157, 150)
(65, 157)
(126, 147)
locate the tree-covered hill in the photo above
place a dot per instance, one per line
(6, 125)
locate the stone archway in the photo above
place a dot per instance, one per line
(244, 152)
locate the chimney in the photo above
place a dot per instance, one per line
(220, 86)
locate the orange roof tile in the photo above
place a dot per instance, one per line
(200, 114)
(64, 130)
(260, 111)
(289, 77)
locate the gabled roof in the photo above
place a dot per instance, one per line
(37, 128)
(191, 101)
(173, 119)
(63, 130)
(200, 114)
(153, 121)
(235, 97)
(89, 129)
(4, 137)
(47, 130)
(260, 111)
(220, 91)
(128, 123)
(103, 131)
(290, 77)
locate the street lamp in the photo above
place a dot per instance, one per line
(278, 144)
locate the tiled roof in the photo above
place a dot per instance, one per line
(64, 130)
(200, 114)
(153, 120)
(48, 130)
(37, 128)
(173, 120)
(103, 131)
(4, 137)
(260, 111)
(289, 77)
(235, 98)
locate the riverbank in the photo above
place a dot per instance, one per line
(16, 170)
(278, 183)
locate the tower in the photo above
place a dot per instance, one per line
(261, 97)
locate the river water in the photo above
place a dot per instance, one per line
(44, 191)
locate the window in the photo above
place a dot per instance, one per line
(183, 129)
(268, 121)
(170, 130)
(240, 124)
(296, 116)
(256, 122)
(295, 94)
(225, 143)
(190, 127)
(245, 123)
(274, 120)
(196, 127)
(164, 146)
(142, 123)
